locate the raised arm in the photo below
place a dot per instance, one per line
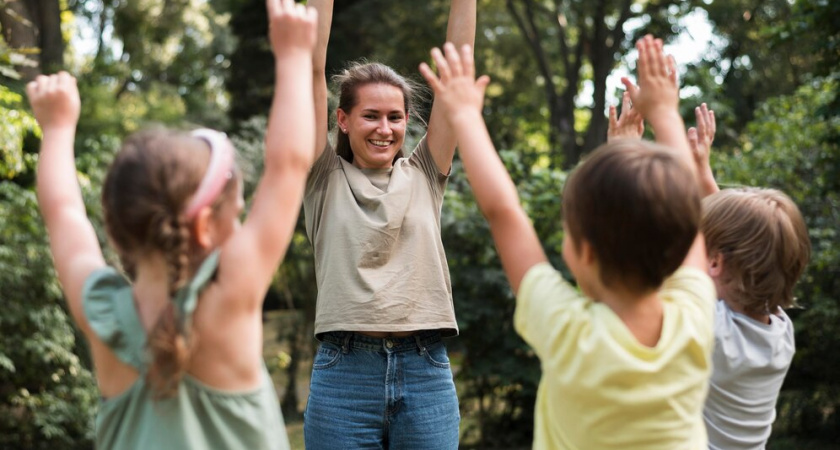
(460, 31)
(700, 140)
(319, 72)
(657, 96)
(657, 99)
(253, 254)
(460, 97)
(73, 242)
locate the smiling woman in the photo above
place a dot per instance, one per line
(384, 296)
(372, 115)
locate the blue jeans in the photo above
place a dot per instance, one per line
(370, 393)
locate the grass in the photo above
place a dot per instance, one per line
(295, 432)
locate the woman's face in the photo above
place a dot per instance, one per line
(375, 126)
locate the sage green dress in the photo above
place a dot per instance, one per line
(198, 416)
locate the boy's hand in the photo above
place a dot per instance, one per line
(630, 124)
(456, 89)
(291, 27)
(54, 100)
(657, 92)
(700, 141)
(700, 138)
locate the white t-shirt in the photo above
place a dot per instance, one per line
(750, 362)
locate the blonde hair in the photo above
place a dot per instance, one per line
(763, 242)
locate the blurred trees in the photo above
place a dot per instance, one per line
(772, 77)
(573, 41)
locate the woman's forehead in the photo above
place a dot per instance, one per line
(380, 97)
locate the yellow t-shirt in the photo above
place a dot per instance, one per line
(601, 388)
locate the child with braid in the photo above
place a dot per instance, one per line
(177, 350)
(626, 362)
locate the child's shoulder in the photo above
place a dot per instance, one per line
(690, 284)
(544, 292)
(543, 280)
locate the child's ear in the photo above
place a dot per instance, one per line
(716, 265)
(202, 228)
(587, 253)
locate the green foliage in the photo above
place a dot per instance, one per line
(794, 146)
(15, 125)
(499, 372)
(47, 397)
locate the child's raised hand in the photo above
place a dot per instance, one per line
(291, 26)
(456, 88)
(700, 142)
(630, 124)
(658, 91)
(700, 138)
(54, 100)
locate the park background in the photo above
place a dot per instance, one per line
(769, 68)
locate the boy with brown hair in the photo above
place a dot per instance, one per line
(758, 247)
(626, 364)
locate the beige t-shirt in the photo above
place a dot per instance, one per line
(379, 260)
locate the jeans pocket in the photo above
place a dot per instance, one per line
(436, 355)
(328, 356)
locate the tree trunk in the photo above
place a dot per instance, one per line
(20, 33)
(597, 132)
(50, 40)
(34, 26)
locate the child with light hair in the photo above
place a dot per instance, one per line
(758, 248)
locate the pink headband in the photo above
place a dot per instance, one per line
(219, 171)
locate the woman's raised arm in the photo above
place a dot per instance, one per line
(319, 75)
(460, 31)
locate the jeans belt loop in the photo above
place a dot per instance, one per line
(420, 348)
(345, 347)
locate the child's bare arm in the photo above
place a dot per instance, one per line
(657, 99)
(319, 72)
(460, 31)
(629, 125)
(700, 139)
(73, 242)
(460, 97)
(256, 250)
(657, 96)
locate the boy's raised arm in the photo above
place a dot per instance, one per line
(461, 98)
(657, 96)
(657, 99)
(700, 139)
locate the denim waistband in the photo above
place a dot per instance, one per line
(348, 340)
